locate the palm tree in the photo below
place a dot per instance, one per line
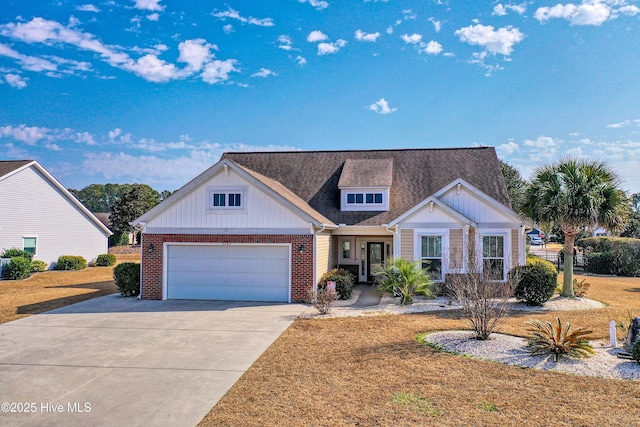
(576, 193)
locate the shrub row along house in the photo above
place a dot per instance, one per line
(265, 226)
(39, 215)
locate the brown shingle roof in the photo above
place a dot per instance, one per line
(8, 166)
(366, 173)
(417, 174)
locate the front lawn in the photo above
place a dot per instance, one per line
(55, 289)
(370, 371)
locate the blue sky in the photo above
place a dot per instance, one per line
(155, 91)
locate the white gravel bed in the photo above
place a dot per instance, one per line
(558, 303)
(512, 350)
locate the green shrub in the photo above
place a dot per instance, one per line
(70, 262)
(535, 282)
(545, 338)
(105, 260)
(18, 268)
(15, 252)
(119, 239)
(601, 263)
(635, 351)
(623, 254)
(344, 282)
(127, 278)
(404, 278)
(38, 266)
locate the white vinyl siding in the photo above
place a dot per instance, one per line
(228, 272)
(259, 210)
(37, 208)
(473, 207)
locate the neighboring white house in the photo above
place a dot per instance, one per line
(39, 215)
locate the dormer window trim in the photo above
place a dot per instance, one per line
(227, 199)
(364, 199)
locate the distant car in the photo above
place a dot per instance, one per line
(535, 240)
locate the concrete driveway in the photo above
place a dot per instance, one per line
(123, 362)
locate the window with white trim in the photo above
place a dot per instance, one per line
(226, 199)
(431, 256)
(493, 259)
(369, 199)
(30, 244)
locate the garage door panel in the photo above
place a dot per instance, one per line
(229, 272)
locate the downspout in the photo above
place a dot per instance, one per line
(393, 230)
(142, 227)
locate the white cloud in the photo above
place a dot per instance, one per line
(153, 17)
(433, 48)
(625, 123)
(389, 30)
(218, 71)
(195, 53)
(228, 29)
(330, 48)
(589, 12)
(541, 142)
(366, 37)
(411, 39)
(316, 36)
(507, 149)
(318, 4)
(83, 137)
(437, 25)
(264, 73)
(113, 134)
(88, 8)
(300, 60)
(500, 41)
(501, 10)
(148, 5)
(15, 80)
(23, 133)
(234, 14)
(285, 42)
(381, 107)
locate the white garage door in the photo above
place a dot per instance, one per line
(230, 272)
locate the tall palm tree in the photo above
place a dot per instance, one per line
(576, 193)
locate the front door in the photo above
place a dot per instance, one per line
(375, 252)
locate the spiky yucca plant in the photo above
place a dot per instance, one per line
(559, 340)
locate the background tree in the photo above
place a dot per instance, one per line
(101, 197)
(516, 186)
(133, 203)
(576, 193)
(633, 225)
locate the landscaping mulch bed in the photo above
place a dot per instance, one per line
(370, 371)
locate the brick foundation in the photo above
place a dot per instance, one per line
(301, 262)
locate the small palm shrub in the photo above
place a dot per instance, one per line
(344, 282)
(535, 282)
(635, 351)
(18, 268)
(547, 338)
(321, 299)
(70, 262)
(580, 288)
(105, 260)
(15, 252)
(38, 266)
(127, 278)
(623, 320)
(404, 278)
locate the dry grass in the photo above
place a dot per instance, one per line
(55, 289)
(352, 371)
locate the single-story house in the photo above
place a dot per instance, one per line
(265, 226)
(39, 215)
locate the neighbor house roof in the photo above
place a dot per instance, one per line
(415, 174)
(8, 166)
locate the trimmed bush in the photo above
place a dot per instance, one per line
(38, 266)
(119, 239)
(601, 263)
(70, 262)
(18, 268)
(344, 282)
(127, 278)
(105, 260)
(15, 252)
(623, 255)
(535, 282)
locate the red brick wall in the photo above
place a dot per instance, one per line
(301, 262)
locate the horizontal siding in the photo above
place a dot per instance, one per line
(406, 244)
(456, 248)
(515, 253)
(262, 211)
(30, 205)
(322, 254)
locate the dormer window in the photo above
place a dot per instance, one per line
(364, 184)
(365, 199)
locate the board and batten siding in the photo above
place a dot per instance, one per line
(193, 210)
(323, 254)
(31, 206)
(406, 244)
(472, 206)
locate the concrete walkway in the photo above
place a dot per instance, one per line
(123, 362)
(369, 296)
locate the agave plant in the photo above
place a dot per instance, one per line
(559, 340)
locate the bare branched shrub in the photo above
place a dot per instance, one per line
(483, 301)
(321, 299)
